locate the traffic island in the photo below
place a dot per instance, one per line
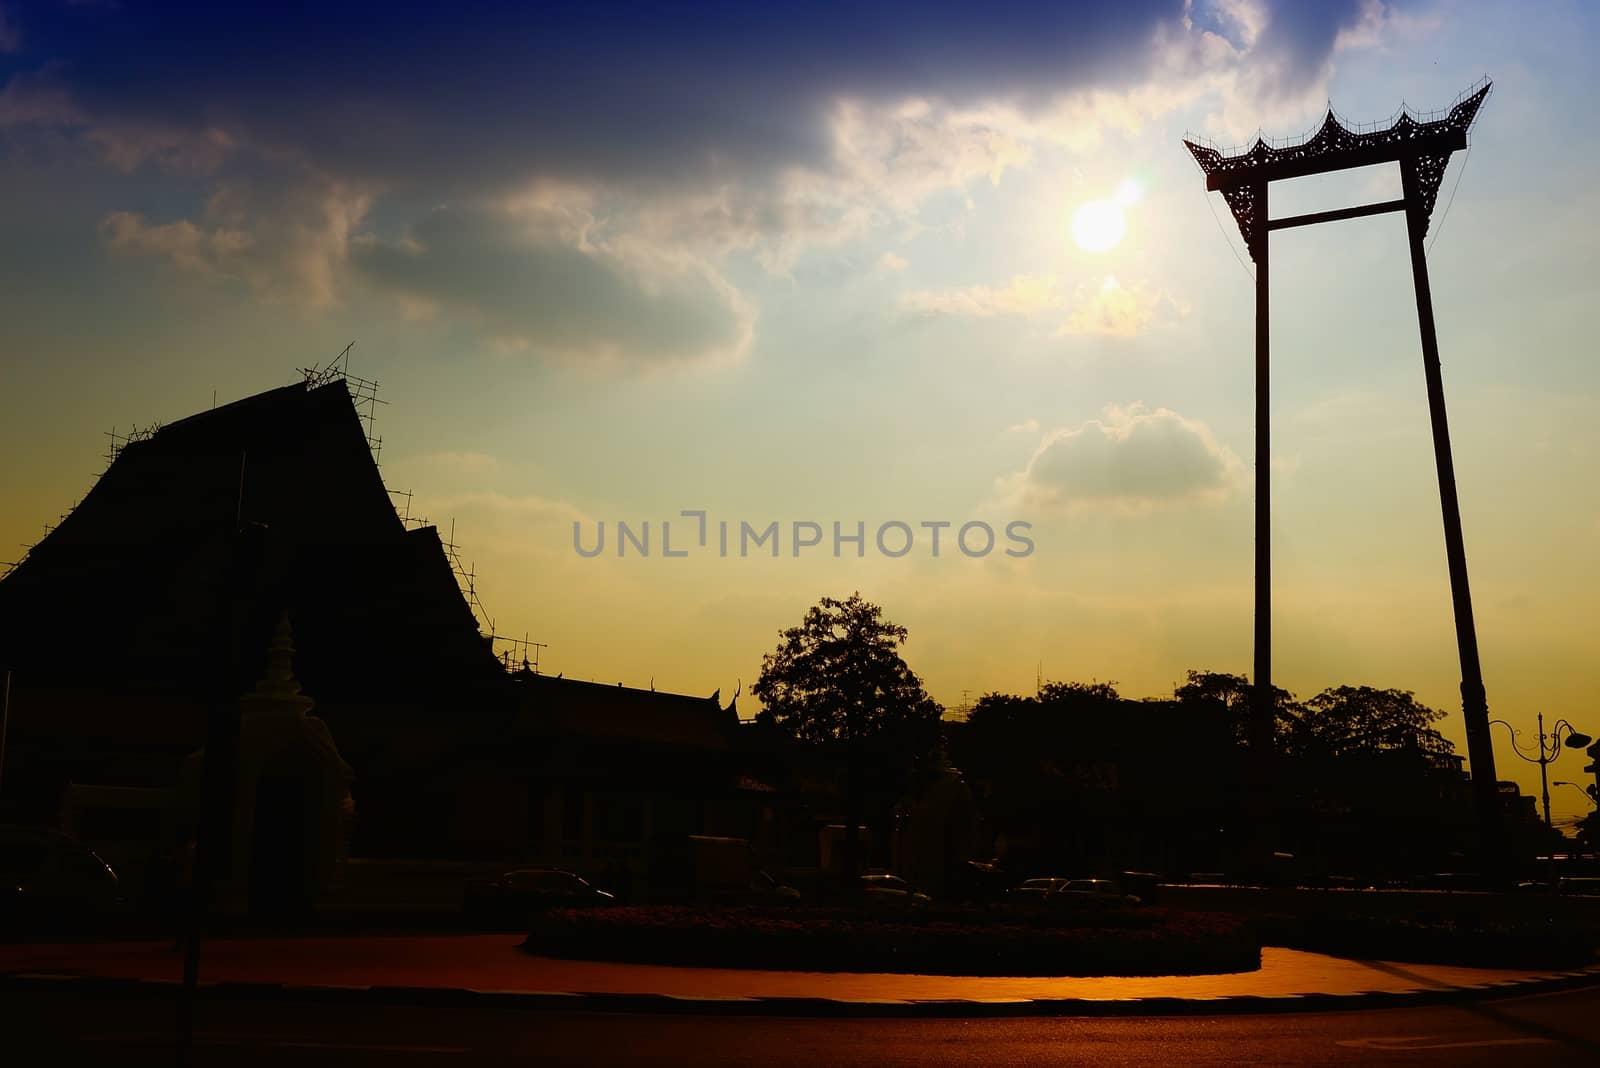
(487, 971)
(1530, 930)
(1091, 941)
(1472, 942)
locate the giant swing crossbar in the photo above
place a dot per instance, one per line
(1422, 147)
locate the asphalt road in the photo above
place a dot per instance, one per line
(58, 1029)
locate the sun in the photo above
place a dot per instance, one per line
(1098, 225)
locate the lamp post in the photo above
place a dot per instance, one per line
(1587, 796)
(1549, 749)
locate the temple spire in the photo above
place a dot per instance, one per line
(278, 690)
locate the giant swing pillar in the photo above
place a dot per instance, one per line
(1422, 148)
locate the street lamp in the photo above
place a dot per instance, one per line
(1588, 792)
(1549, 749)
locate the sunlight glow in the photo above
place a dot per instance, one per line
(1098, 225)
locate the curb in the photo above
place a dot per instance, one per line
(669, 1004)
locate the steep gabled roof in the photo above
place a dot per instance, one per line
(130, 590)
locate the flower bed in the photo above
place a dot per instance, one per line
(1084, 942)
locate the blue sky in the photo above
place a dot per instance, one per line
(815, 262)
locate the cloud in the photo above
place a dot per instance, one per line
(506, 94)
(1025, 295)
(287, 240)
(459, 463)
(10, 36)
(892, 261)
(497, 89)
(515, 509)
(1131, 459)
(539, 275)
(875, 166)
(43, 100)
(509, 527)
(1115, 310)
(1027, 426)
(206, 252)
(769, 135)
(1268, 64)
(1109, 309)
(37, 100)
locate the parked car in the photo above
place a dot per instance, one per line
(534, 889)
(763, 889)
(1579, 884)
(1146, 885)
(1451, 880)
(889, 893)
(1033, 892)
(50, 878)
(982, 882)
(1108, 890)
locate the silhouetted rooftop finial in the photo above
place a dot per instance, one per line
(278, 690)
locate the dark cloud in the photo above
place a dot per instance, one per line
(473, 93)
(529, 285)
(319, 139)
(1299, 39)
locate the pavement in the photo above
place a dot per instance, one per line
(50, 1030)
(490, 970)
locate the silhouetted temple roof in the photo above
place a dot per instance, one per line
(129, 593)
(598, 712)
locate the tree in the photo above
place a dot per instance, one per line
(837, 683)
(1221, 694)
(1344, 721)
(1047, 768)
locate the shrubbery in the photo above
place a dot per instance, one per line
(1091, 941)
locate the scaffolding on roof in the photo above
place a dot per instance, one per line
(517, 651)
(116, 442)
(467, 580)
(363, 393)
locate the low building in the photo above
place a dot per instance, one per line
(135, 626)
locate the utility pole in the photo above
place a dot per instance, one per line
(213, 852)
(5, 725)
(1544, 776)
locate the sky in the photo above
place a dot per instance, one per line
(825, 263)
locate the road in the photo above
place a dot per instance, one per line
(58, 1028)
